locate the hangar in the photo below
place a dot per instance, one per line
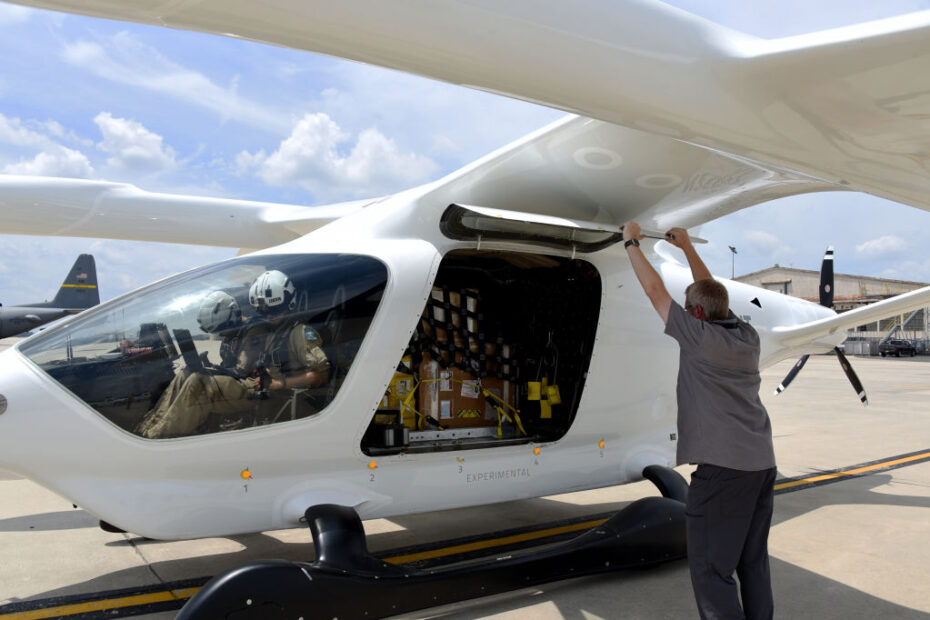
(852, 291)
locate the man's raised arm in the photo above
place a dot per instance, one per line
(680, 239)
(648, 277)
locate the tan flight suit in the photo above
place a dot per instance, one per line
(289, 350)
(191, 398)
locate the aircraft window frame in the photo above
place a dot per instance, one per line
(199, 354)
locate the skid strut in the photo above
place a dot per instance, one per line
(348, 582)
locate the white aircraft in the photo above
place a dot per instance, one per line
(502, 278)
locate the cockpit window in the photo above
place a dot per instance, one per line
(248, 342)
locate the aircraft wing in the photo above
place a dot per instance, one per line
(81, 208)
(809, 332)
(846, 106)
(582, 169)
(576, 168)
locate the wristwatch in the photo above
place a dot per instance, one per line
(630, 242)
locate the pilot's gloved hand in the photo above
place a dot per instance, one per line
(262, 379)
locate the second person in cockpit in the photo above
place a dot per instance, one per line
(286, 351)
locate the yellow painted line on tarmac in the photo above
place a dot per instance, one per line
(492, 542)
(182, 594)
(852, 472)
(102, 605)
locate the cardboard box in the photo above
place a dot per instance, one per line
(455, 398)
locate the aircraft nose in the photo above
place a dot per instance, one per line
(24, 407)
(11, 371)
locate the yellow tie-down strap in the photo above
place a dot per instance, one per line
(502, 415)
(407, 405)
(546, 394)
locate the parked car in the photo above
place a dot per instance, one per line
(897, 348)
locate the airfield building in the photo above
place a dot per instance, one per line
(852, 291)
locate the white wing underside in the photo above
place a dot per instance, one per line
(696, 121)
(81, 208)
(847, 106)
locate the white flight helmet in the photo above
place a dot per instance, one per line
(218, 310)
(272, 291)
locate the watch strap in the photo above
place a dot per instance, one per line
(630, 242)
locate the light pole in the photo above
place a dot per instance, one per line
(733, 262)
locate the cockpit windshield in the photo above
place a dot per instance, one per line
(252, 341)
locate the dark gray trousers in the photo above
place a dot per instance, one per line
(728, 516)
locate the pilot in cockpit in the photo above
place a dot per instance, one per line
(269, 358)
(221, 388)
(219, 314)
(287, 348)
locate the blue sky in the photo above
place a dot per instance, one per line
(182, 112)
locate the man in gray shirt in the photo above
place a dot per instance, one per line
(725, 430)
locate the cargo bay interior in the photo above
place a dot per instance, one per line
(499, 357)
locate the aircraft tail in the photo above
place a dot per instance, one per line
(808, 332)
(79, 290)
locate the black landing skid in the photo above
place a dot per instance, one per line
(347, 582)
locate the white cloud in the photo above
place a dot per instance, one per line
(59, 162)
(763, 240)
(311, 158)
(766, 246)
(248, 163)
(15, 133)
(911, 270)
(883, 246)
(53, 159)
(125, 60)
(133, 147)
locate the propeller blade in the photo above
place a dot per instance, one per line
(791, 375)
(851, 375)
(826, 279)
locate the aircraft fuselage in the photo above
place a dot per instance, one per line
(264, 474)
(18, 319)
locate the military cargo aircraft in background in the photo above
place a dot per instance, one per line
(77, 293)
(486, 338)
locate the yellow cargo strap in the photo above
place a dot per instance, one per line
(546, 394)
(502, 415)
(407, 405)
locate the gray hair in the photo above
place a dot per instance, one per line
(710, 295)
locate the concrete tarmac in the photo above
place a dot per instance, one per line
(856, 548)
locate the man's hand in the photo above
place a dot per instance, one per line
(631, 230)
(678, 237)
